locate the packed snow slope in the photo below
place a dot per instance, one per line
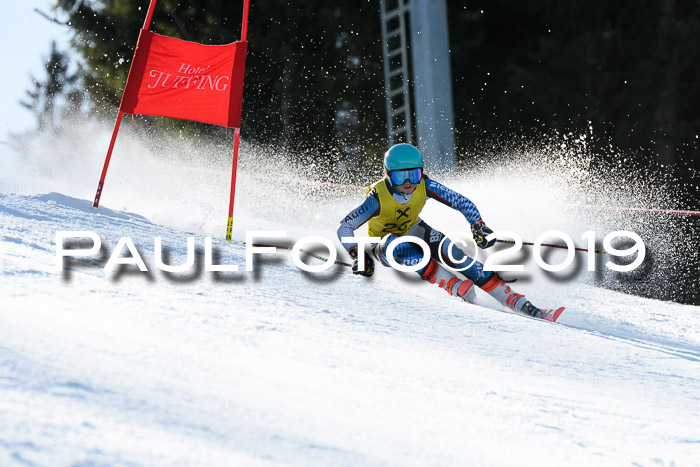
(283, 367)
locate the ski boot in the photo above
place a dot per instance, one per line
(547, 315)
(501, 291)
(436, 274)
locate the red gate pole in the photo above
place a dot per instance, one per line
(236, 137)
(149, 15)
(96, 203)
(229, 227)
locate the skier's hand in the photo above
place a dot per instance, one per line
(369, 267)
(369, 264)
(480, 231)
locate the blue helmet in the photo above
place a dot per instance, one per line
(402, 156)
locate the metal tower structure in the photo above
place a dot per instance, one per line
(425, 83)
(396, 70)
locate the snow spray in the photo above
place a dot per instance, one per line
(552, 183)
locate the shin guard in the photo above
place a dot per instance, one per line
(436, 274)
(498, 289)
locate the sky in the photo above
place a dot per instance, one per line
(26, 38)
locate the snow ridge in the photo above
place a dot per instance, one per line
(279, 366)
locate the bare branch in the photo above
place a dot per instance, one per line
(52, 19)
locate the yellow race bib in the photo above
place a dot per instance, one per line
(394, 217)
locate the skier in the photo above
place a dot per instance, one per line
(392, 207)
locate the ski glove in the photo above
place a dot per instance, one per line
(369, 264)
(480, 231)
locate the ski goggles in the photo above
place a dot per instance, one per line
(399, 177)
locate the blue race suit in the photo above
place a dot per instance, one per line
(406, 253)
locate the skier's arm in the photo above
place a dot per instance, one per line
(441, 193)
(355, 219)
(464, 205)
(352, 222)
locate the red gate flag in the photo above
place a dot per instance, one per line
(180, 79)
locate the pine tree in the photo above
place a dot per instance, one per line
(307, 61)
(46, 98)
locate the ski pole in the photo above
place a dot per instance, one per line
(600, 252)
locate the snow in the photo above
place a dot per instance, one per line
(283, 367)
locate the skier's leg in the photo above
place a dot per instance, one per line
(436, 274)
(407, 254)
(490, 282)
(498, 289)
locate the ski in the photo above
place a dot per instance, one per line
(551, 315)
